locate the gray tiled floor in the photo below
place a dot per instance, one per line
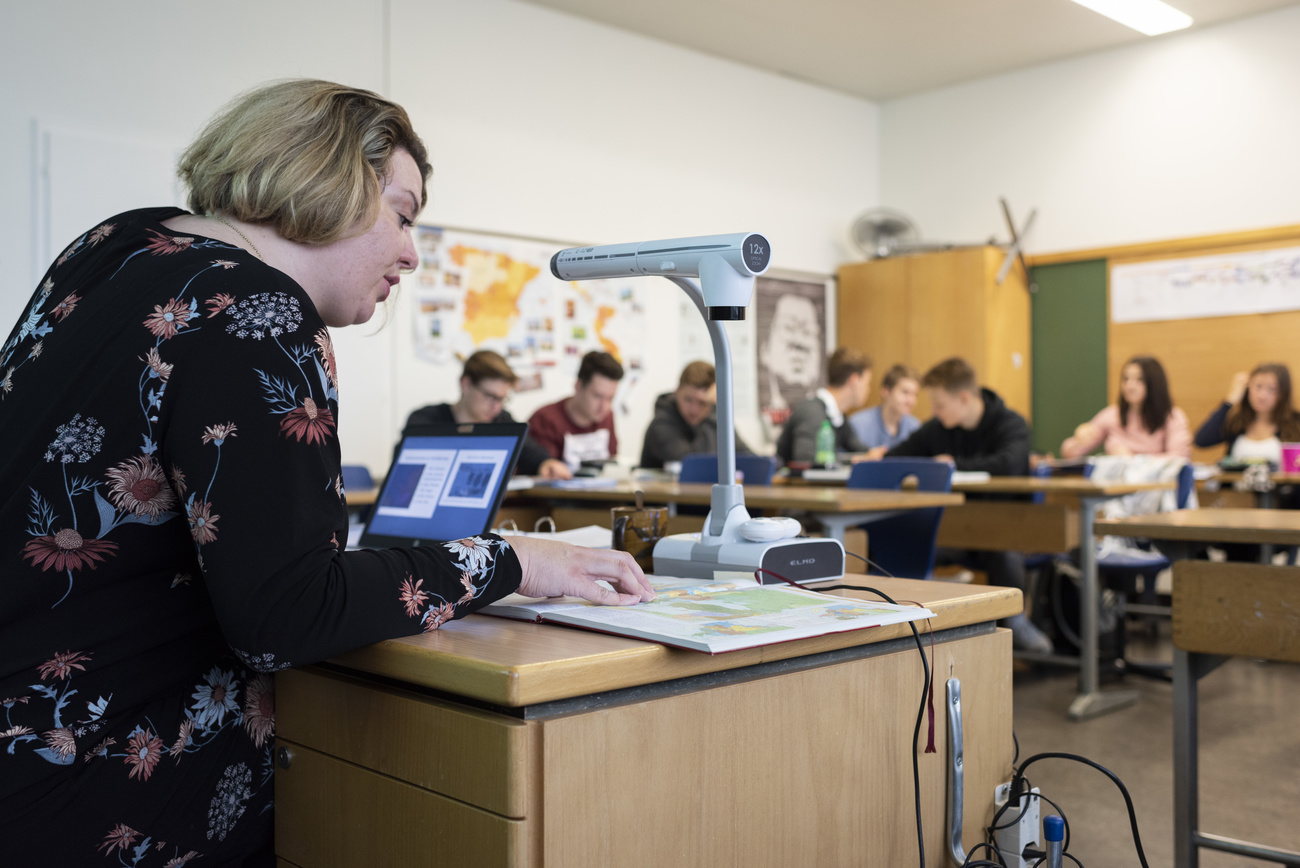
(1250, 759)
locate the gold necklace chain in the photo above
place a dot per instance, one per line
(235, 229)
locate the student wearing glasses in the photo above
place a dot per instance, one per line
(485, 385)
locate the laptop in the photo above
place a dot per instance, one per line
(445, 483)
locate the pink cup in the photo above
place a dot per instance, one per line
(1291, 457)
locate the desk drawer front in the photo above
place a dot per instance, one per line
(1009, 526)
(1237, 609)
(476, 757)
(332, 814)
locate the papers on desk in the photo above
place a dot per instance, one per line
(727, 614)
(827, 474)
(960, 477)
(520, 483)
(593, 536)
(578, 482)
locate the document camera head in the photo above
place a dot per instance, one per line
(726, 265)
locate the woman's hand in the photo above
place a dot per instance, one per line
(1237, 390)
(556, 569)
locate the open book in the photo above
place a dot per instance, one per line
(726, 614)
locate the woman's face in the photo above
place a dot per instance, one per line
(356, 273)
(1262, 392)
(1132, 385)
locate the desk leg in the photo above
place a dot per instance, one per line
(1091, 702)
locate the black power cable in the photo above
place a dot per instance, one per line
(925, 694)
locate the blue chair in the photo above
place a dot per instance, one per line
(357, 477)
(703, 467)
(1120, 572)
(903, 545)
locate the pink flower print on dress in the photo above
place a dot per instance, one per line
(412, 596)
(61, 665)
(67, 550)
(138, 486)
(326, 346)
(61, 742)
(437, 616)
(65, 307)
(166, 244)
(157, 367)
(167, 320)
(143, 750)
(119, 838)
(259, 709)
(308, 422)
(218, 303)
(99, 233)
(218, 433)
(203, 524)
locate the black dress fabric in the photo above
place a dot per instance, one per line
(171, 530)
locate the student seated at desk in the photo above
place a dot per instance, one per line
(485, 385)
(974, 430)
(848, 381)
(581, 427)
(1143, 421)
(686, 420)
(1256, 417)
(891, 421)
(173, 524)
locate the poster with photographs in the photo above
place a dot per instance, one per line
(790, 318)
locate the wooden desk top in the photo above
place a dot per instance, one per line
(363, 497)
(1262, 526)
(517, 663)
(1077, 486)
(812, 498)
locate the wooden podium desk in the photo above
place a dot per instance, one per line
(496, 742)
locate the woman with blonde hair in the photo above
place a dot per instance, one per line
(172, 517)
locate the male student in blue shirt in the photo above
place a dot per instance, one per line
(974, 430)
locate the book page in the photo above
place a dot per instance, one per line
(722, 619)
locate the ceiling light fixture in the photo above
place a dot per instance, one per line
(1151, 17)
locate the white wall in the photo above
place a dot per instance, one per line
(1188, 134)
(539, 124)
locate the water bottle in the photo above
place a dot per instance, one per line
(824, 456)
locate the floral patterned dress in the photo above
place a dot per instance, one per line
(171, 511)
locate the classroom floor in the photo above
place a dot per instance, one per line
(1249, 755)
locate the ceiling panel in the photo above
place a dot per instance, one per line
(881, 49)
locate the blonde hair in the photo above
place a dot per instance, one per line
(308, 158)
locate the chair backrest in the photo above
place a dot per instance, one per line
(892, 473)
(903, 545)
(1186, 482)
(356, 477)
(703, 467)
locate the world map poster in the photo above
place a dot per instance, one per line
(477, 290)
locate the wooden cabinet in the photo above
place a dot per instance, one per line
(922, 309)
(780, 755)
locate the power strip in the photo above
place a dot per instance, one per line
(1012, 841)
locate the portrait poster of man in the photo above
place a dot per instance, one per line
(791, 324)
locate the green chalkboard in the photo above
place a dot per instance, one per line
(1069, 347)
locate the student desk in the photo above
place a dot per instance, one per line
(1220, 610)
(837, 509)
(505, 743)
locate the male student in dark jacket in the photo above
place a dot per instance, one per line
(974, 430)
(686, 420)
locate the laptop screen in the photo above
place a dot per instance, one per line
(445, 483)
